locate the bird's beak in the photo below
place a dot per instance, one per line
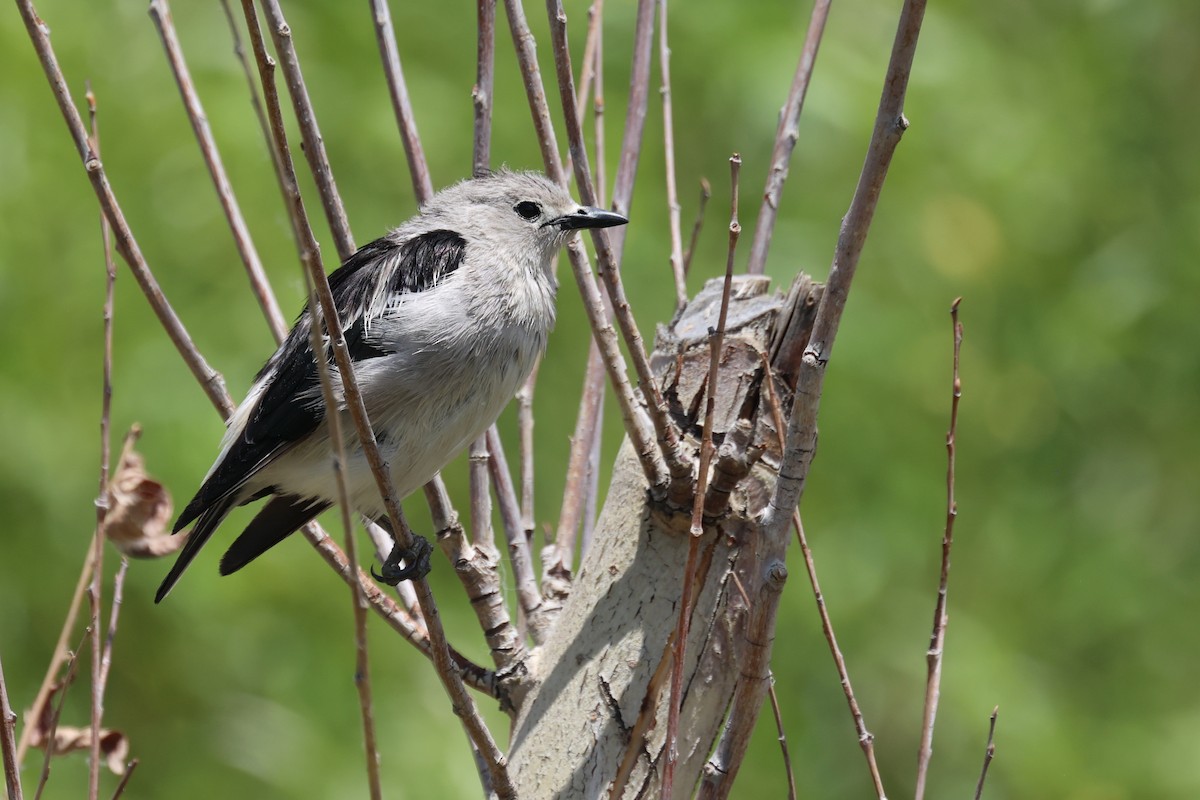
(588, 217)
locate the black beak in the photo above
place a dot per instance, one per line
(588, 217)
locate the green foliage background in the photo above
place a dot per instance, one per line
(1050, 177)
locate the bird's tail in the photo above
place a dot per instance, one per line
(206, 523)
(282, 516)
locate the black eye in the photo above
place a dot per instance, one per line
(528, 210)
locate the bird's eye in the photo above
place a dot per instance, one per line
(528, 210)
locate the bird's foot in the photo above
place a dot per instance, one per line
(416, 558)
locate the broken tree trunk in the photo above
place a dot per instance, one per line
(594, 722)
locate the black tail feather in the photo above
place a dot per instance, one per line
(279, 518)
(206, 523)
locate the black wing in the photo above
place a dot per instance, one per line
(280, 419)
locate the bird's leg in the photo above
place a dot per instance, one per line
(416, 557)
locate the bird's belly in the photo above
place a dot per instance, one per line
(420, 426)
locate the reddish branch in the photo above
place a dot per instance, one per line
(937, 638)
(785, 139)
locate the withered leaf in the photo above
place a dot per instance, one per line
(139, 508)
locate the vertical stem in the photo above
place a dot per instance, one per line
(97, 569)
(481, 93)
(937, 638)
(401, 105)
(785, 139)
(664, 66)
(8, 745)
(715, 343)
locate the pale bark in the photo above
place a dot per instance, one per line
(589, 681)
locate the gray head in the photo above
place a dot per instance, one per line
(525, 210)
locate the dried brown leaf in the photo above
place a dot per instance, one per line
(114, 745)
(139, 508)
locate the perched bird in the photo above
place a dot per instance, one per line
(444, 318)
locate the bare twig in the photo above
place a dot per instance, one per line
(528, 597)
(866, 740)
(8, 742)
(160, 12)
(632, 415)
(481, 92)
(582, 445)
(55, 714)
(678, 465)
(783, 745)
(240, 52)
(314, 144)
(635, 121)
(398, 89)
(210, 380)
(462, 703)
(754, 679)
(802, 424)
(114, 613)
(705, 193)
(988, 754)
(101, 502)
(362, 663)
(61, 655)
(598, 109)
(937, 638)
(785, 139)
(715, 343)
(664, 66)
(525, 427)
(481, 499)
(129, 768)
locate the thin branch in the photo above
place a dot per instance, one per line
(582, 446)
(118, 595)
(635, 119)
(398, 89)
(362, 663)
(101, 502)
(210, 380)
(802, 424)
(678, 464)
(937, 638)
(56, 714)
(310, 133)
(160, 12)
(528, 597)
(481, 500)
(988, 754)
(61, 655)
(705, 193)
(8, 742)
(598, 111)
(716, 343)
(129, 768)
(866, 740)
(785, 139)
(525, 427)
(664, 66)
(632, 415)
(754, 679)
(240, 52)
(783, 745)
(481, 92)
(462, 703)
(592, 495)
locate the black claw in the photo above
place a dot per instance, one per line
(416, 557)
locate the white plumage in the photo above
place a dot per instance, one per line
(444, 317)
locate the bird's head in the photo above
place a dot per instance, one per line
(525, 211)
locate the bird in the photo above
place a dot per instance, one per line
(444, 318)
